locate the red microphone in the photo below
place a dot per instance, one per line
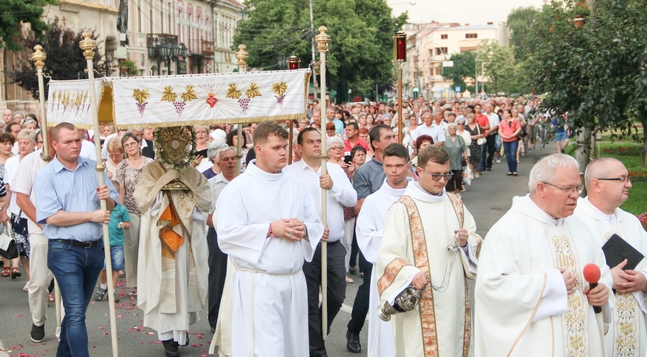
(592, 276)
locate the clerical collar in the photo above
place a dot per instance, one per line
(553, 222)
(416, 191)
(603, 217)
(395, 191)
(254, 170)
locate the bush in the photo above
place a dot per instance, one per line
(633, 150)
(643, 219)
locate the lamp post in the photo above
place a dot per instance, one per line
(242, 56)
(165, 48)
(87, 45)
(400, 57)
(293, 64)
(322, 46)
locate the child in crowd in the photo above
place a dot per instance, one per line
(119, 220)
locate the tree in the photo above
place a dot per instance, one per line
(464, 67)
(596, 73)
(500, 66)
(360, 53)
(519, 22)
(64, 59)
(13, 13)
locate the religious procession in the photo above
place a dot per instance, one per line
(240, 198)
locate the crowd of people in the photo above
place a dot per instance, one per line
(246, 244)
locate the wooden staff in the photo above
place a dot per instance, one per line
(87, 45)
(242, 56)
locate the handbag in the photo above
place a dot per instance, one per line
(8, 247)
(480, 141)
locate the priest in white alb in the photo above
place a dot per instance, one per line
(607, 185)
(430, 242)
(173, 249)
(369, 230)
(268, 226)
(531, 298)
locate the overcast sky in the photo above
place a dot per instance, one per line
(462, 11)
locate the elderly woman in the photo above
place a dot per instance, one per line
(6, 143)
(214, 147)
(29, 123)
(115, 156)
(127, 175)
(476, 133)
(421, 142)
(457, 149)
(26, 143)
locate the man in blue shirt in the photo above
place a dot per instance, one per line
(67, 204)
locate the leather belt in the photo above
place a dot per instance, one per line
(76, 243)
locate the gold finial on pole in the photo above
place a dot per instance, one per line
(39, 58)
(242, 56)
(322, 40)
(88, 45)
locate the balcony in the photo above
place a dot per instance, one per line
(207, 47)
(199, 47)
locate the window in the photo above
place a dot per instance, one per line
(443, 37)
(471, 35)
(440, 51)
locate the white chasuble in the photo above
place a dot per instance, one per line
(172, 288)
(522, 307)
(440, 324)
(269, 293)
(369, 229)
(627, 334)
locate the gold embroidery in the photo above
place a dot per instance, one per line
(390, 272)
(574, 320)
(625, 322)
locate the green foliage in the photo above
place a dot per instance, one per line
(598, 73)
(361, 49)
(64, 59)
(464, 67)
(129, 67)
(15, 12)
(519, 23)
(503, 71)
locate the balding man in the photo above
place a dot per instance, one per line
(6, 116)
(429, 127)
(531, 296)
(607, 185)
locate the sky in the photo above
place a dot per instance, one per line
(473, 12)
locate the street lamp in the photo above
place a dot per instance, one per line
(165, 48)
(400, 57)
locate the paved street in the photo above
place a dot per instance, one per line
(487, 199)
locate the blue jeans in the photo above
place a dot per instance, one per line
(483, 149)
(76, 270)
(511, 154)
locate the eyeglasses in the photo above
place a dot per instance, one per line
(621, 178)
(131, 144)
(567, 189)
(436, 177)
(336, 148)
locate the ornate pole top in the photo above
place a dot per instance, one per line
(87, 45)
(242, 56)
(322, 39)
(38, 57)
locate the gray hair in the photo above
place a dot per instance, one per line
(27, 134)
(223, 150)
(332, 140)
(452, 125)
(548, 167)
(114, 144)
(596, 168)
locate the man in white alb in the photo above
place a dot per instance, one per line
(340, 193)
(607, 185)
(268, 226)
(531, 298)
(429, 242)
(369, 228)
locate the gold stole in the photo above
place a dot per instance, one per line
(626, 324)
(426, 307)
(574, 321)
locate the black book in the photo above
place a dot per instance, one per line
(617, 249)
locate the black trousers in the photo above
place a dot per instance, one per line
(336, 292)
(362, 299)
(217, 274)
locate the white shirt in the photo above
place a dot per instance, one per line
(24, 181)
(88, 150)
(494, 120)
(436, 132)
(341, 194)
(11, 167)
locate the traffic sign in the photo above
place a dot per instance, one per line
(457, 89)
